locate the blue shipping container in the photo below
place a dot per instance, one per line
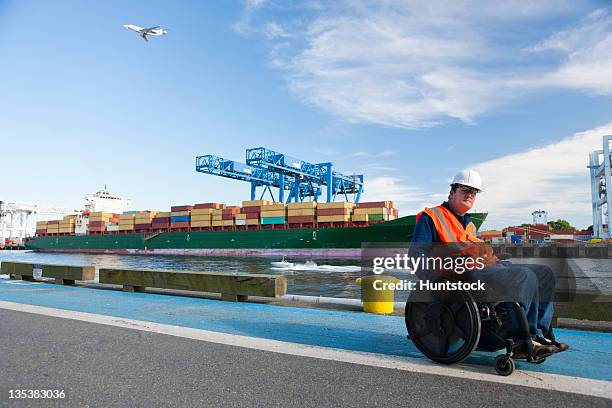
(180, 218)
(516, 239)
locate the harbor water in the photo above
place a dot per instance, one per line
(317, 277)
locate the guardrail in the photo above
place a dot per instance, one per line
(232, 287)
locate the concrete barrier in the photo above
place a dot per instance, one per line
(232, 287)
(18, 270)
(67, 275)
(554, 250)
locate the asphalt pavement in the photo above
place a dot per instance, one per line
(99, 365)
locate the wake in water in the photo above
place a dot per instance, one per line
(312, 266)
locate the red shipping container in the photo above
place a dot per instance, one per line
(227, 216)
(299, 219)
(97, 223)
(160, 225)
(53, 222)
(181, 208)
(161, 219)
(251, 209)
(142, 226)
(179, 224)
(230, 211)
(375, 204)
(252, 216)
(395, 212)
(333, 211)
(96, 229)
(208, 205)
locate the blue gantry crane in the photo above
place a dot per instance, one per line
(267, 168)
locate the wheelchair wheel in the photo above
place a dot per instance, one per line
(446, 329)
(504, 365)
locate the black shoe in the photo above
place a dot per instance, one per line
(539, 351)
(550, 337)
(559, 346)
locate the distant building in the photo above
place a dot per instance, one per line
(489, 235)
(540, 217)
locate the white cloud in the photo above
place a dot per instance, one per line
(553, 178)
(384, 153)
(413, 64)
(378, 167)
(588, 54)
(408, 200)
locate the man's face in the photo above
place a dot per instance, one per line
(462, 199)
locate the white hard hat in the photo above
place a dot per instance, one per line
(469, 178)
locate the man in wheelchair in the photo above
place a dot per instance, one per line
(515, 312)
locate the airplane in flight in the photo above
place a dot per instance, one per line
(143, 32)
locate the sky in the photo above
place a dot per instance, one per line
(406, 93)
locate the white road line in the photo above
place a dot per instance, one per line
(530, 379)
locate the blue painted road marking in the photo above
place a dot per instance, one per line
(588, 357)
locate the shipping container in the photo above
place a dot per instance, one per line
(372, 210)
(333, 211)
(516, 239)
(302, 206)
(201, 218)
(301, 219)
(272, 214)
(160, 225)
(255, 203)
(200, 223)
(375, 204)
(335, 205)
(207, 206)
(301, 212)
(181, 208)
(272, 220)
(333, 218)
(182, 218)
(201, 211)
(251, 209)
(273, 207)
(361, 217)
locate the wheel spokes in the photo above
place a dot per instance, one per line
(443, 346)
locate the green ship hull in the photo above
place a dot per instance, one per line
(334, 242)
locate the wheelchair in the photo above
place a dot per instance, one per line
(447, 326)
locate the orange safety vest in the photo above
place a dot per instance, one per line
(450, 230)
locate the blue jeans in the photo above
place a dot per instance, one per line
(533, 286)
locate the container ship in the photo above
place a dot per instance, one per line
(256, 228)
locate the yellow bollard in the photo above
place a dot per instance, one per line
(375, 296)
